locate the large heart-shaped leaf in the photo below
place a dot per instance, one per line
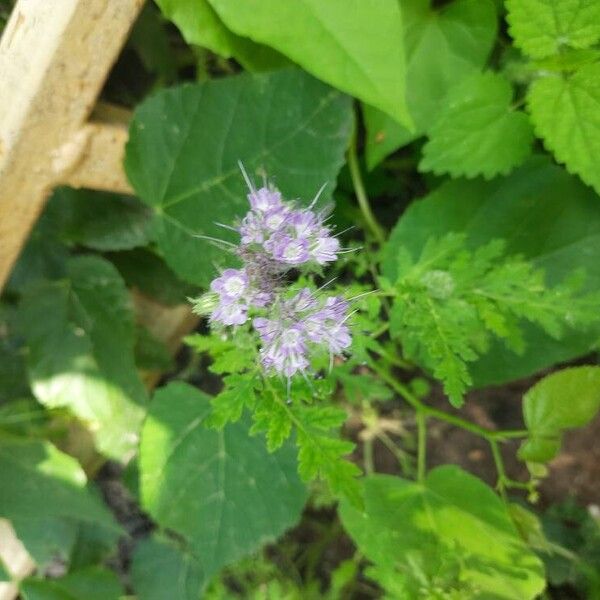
(80, 333)
(451, 519)
(351, 44)
(182, 157)
(200, 24)
(443, 46)
(530, 211)
(93, 583)
(39, 481)
(221, 490)
(162, 569)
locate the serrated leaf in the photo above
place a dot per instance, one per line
(451, 300)
(324, 456)
(285, 124)
(528, 211)
(542, 28)
(93, 583)
(563, 400)
(350, 44)
(477, 132)
(201, 25)
(228, 405)
(221, 491)
(80, 334)
(100, 220)
(39, 481)
(443, 46)
(160, 569)
(565, 111)
(451, 516)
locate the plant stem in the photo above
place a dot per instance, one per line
(489, 434)
(499, 468)
(361, 194)
(399, 454)
(368, 456)
(421, 445)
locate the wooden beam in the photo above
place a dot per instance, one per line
(54, 59)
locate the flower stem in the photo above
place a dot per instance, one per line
(361, 194)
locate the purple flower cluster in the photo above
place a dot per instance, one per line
(276, 237)
(289, 235)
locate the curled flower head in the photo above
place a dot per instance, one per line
(276, 238)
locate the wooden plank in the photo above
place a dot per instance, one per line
(54, 59)
(15, 558)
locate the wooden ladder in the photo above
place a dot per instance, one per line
(55, 56)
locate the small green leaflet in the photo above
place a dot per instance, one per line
(80, 333)
(543, 28)
(351, 44)
(443, 46)
(201, 25)
(285, 124)
(220, 490)
(321, 453)
(228, 405)
(565, 110)
(161, 569)
(563, 400)
(477, 132)
(451, 531)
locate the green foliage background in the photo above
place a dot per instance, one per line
(460, 147)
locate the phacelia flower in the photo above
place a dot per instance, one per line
(276, 238)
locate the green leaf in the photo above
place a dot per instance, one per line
(93, 583)
(453, 517)
(160, 569)
(477, 132)
(353, 45)
(80, 333)
(565, 111)
(47, 539)
(228, 405)
(145, 270)
(542, 28)
(201, 25)
(285, 124)
(100, 220)
(221, 491)
(451, 300)
(443, 46)
(528, 211)
(563, 400)
(151, 39)
(40, 481)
